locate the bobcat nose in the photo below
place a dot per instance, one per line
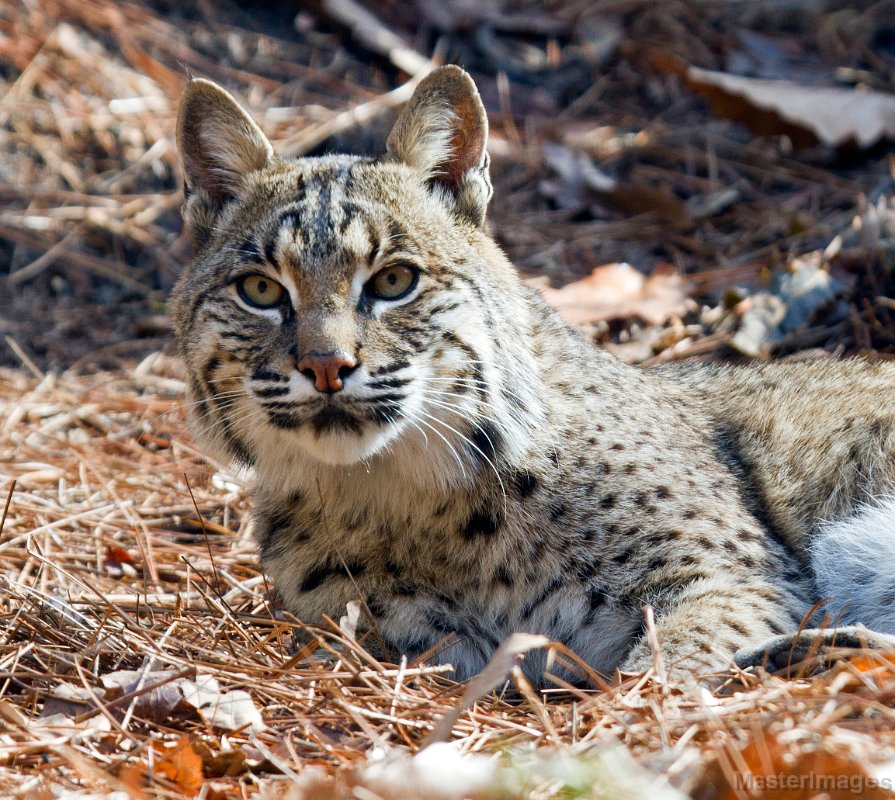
(327, 370)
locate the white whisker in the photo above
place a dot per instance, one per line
(477, 449)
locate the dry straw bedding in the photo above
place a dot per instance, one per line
(140, 652)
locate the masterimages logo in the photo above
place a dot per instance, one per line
(811, 781)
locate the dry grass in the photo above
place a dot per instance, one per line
(123, 550)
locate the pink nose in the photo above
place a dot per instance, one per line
(327, 370)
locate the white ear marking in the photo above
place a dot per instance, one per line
(218, 141)
(443, 132)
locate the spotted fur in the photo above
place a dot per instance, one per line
(484, 470)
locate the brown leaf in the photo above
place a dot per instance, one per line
(118, 561)
(772, 773)
(807, 114)
(70, 700)
(157, 696)
(618, 291)
(581, 182)
(884, 662)
(181, 765)
(226, 764)
(133, 776)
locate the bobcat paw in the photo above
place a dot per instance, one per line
(822, 646)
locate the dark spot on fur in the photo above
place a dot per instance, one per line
(557, 509)
(597, 598)
(767, 594)
(481, 523)
(486, 441)
(504, 575)
(525, 484)
(319, 574)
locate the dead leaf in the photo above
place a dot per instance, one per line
(156, 699)
(226, 764)
(133, 776)
(229, 711)
(618, 291)
(118, 561)
(181, 765)
(581, 182)
(799, 293)
(807, 114)
(70, 700)
(882, 662)
(761, 317)
(771, 772)
(118, 555)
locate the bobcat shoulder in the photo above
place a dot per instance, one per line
(428, 436)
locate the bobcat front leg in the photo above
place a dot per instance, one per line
(700, 627)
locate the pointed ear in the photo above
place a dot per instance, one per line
(219, 145)
(443, 131)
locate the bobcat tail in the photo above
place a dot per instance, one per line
(854, 565)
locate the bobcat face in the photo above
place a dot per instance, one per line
(336, 304)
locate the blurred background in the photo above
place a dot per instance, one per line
(680, 178)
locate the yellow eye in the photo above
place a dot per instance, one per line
(393, 283)
(259, 291)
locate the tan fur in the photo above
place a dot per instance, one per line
(485, 470)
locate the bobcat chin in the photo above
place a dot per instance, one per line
(427, 436)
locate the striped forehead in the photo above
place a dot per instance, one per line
(326, 225)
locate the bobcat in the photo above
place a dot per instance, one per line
(427, 436)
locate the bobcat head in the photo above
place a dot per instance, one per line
(342, 307)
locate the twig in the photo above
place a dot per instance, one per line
(23, 357)
(375, 36)
(12, 488)
(354, 117)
